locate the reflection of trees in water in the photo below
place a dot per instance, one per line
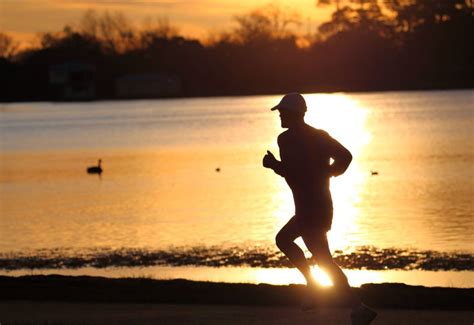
(366, 45)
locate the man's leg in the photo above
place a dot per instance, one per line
(285, 242)
(317, 244)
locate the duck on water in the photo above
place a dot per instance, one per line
(95, 169)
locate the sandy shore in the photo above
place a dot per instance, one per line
(65, 299)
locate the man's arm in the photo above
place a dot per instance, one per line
(341, 156)
(269, 161)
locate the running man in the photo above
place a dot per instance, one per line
(305, 154)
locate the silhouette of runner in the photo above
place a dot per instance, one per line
(305, 154)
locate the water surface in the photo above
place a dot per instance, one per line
(160, 190)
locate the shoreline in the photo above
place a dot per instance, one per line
(272, 276)
(88, 289)
(230, 95)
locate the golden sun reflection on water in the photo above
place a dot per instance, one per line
(282, 276)
(345, 120)
(341, 116)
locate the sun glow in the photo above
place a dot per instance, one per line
(282, 276)
(341, 116)
(345, 121)
(321, 277)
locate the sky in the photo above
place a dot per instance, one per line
(23, 19)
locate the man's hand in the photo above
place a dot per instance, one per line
(269, 160)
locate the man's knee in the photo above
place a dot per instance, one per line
(282, 241)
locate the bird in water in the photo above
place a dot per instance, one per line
(374, 172)
(95, 169)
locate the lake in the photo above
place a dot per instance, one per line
(184, 193)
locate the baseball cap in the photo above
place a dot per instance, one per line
(291, 102)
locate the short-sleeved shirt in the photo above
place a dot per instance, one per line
(305, 155)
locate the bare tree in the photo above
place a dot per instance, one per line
(218, 37)
(8, 47)
(269, 22)
(113, 30)
(89, 24)
(152, 30)
(116, 32)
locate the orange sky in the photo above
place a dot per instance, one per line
(22, 19)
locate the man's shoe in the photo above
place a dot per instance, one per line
(362, 315)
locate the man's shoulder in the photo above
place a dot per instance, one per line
(318, 132)
(310, 133)
(282, 136)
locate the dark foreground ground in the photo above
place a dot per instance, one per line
(52, 313)
(95, 300)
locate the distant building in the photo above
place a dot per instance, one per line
(147, 86)
(72, 81)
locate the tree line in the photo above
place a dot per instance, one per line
(367, 45)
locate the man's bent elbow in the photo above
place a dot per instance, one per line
(349, 158)
(344, 163)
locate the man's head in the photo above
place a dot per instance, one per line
(292, 108)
